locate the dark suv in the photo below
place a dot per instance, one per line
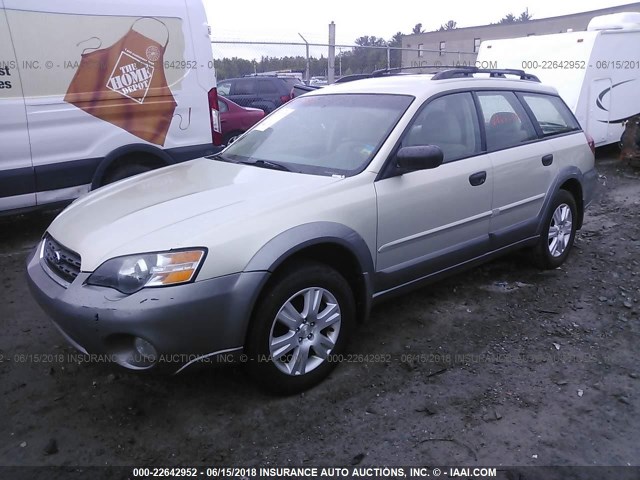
(266, 93)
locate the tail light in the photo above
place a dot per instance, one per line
(285, 98)
(214, 113)
(592, 144)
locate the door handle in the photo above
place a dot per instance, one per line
(478, 179)
(547, 160)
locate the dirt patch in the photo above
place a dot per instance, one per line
(502, 365)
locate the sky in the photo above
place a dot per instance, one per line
(260, 20)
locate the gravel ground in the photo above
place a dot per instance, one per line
(502, 365)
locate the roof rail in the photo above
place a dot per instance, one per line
(458, 72)
(444, 72)
(386, 71)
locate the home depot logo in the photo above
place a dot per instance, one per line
(131, 76)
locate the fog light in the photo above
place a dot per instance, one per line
(145, 349)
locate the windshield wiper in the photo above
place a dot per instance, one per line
(219, 156)
(267, 164)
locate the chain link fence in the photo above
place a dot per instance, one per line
(311, 61)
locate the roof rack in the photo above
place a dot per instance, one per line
(444, 72)
(459, 72)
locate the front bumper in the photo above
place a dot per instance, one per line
(184, 322)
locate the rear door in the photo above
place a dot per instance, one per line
(523, 166)
(244, 91)
(270, 94)
(17, 179)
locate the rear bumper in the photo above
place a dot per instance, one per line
(591, 187)
(184, 323)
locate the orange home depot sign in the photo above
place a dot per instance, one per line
(125, 85)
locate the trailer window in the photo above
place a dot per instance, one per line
(553, 116)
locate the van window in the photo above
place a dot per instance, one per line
(552, 114)
(506, 122)
(451, 123)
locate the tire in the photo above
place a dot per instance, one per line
(307, 351)
(231, 136)
(558, 233)
(125, 171)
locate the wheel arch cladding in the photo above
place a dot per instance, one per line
(573, 186)
(332, 244)
(147, 153)
(569, 179)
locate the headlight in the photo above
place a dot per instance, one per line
(130, 274)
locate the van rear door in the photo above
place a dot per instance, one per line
(17, 179)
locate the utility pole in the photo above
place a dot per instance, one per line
(307, 74)
(331, 73)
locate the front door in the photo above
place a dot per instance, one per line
(431, 220)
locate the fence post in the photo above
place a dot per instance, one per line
(307, 74)
(388, 57)
(331, 73)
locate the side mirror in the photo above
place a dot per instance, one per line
(420, 157)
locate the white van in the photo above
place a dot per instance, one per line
(596, 72)
(92, 92)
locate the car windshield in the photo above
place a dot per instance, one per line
(322, 134)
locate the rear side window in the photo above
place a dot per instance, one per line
(291, 82)
(506, 121)
(244, 86)
(267, 86)
(551, 113)
(451, 123)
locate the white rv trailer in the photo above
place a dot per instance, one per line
(596, 72)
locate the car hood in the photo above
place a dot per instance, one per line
(171, 207)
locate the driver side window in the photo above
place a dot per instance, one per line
(451, 123)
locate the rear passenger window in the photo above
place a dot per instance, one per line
(267, 86)
(451, 123)
(506, 122)
(244, 87)
(553, 116)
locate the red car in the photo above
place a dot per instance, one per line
(236, 119)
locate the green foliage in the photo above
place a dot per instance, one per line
(450, 25)
(511, 18)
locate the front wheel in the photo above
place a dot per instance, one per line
(300, 327)
(558, 234)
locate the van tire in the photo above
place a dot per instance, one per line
(125, 171)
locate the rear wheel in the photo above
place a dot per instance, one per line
(301, 323)
(558, 234)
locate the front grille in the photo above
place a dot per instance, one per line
(62, 261)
